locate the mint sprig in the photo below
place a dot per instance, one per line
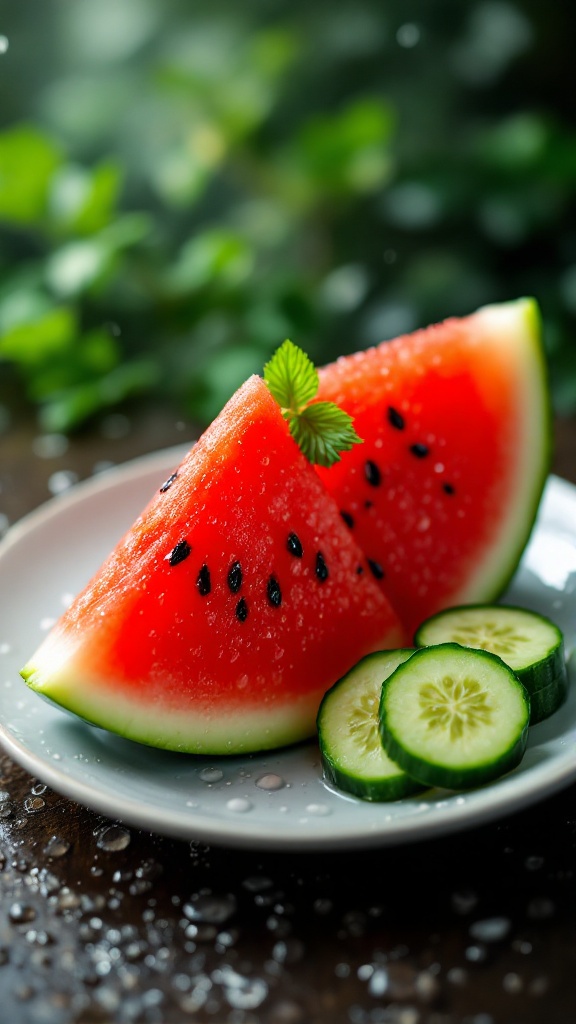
(321, 429)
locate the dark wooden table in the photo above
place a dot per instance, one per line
(475, 928)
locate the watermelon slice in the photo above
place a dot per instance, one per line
(443, 494)
(228, 609)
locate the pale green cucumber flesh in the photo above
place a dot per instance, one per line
(353, 758)
(529, 643)
(454, 717)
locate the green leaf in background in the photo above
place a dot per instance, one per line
(38, 340)
(28, 160)
(65, 410)
(214, 258)
(184, 186)
(349, 151)
(82, 201)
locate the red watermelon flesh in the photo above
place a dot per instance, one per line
(234, 601)
(443, 493)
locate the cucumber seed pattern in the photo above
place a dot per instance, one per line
(489, 636)
(364, 724)
(455, 706)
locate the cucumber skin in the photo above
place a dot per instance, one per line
(437, 775)
(373, 790)
(545, 701)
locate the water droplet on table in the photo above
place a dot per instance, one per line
(33, 804)
(491, 929)
(21, 913)
(270, 782)
(113, 838)
(210, 909)
(56, 847)
(62, 480)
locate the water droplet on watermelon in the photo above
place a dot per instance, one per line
(239, 804)
(211, 775)
(270, 782)
(113, 838)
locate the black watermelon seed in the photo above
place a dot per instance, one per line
(420, 450)
(274, 592)
(203, 582)
(321, 567)
(359, 570)
(373, 474)
(235, 577)
(348, 519)
(368, 504)
(395, 418)
(294, 545)
(168, 483)
(449, 488)
(179, 552)
(376, 569)
(242, 610)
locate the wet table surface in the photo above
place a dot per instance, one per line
(100, 922)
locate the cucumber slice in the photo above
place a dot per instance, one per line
(529, 643)
(352, 754)
(454, 717)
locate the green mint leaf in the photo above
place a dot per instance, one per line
(322, 431)
(291, 377)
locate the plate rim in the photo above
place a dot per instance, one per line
(512, 793)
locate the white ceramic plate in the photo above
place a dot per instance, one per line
(275, 800)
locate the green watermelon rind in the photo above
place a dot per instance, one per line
(495, 575)
(202, 731)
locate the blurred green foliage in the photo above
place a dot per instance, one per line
(183, 186)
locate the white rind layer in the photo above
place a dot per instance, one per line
(217, 729)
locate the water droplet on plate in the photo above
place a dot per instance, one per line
(239, 804)
(211, 775)
(319, 810)
(270, 782)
